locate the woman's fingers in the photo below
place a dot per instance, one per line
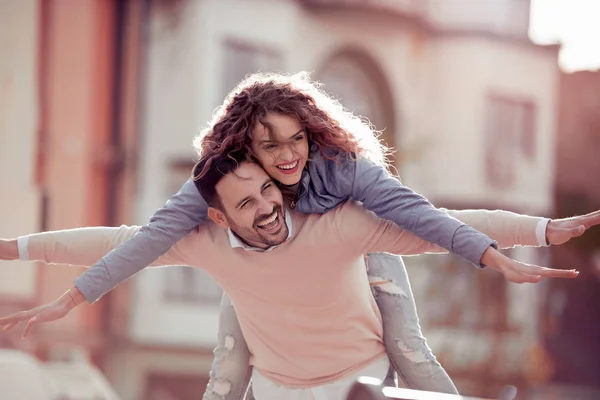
(527, 273)
(10, 326)
(17, 317)
(29, 325)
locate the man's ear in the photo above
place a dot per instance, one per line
(218, 217)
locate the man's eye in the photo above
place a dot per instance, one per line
(299, 138)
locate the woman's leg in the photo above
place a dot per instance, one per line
(409, 353)
(231, 371)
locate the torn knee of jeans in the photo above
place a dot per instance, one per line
(413, 355)
(229, 342)
(386, 286)
(224, 348)
(221, 387)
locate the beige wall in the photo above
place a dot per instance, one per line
(20, 200)
(463, 72)
(55, 73)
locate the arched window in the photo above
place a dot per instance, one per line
(361, 86)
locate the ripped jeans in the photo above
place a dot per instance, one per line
(407, 349)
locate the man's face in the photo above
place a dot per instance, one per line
(252, 206)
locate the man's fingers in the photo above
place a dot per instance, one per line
(578, 230)
(564, 234)
(589, 220)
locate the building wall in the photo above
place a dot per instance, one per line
(579, 138)
(571, 325)
(54, 124)
(509, 18)
(20, 200)
(464, 72)
(76, 89)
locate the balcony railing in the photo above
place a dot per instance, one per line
(508, 18)
(369, 389)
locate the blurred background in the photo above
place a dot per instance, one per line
(489, 104)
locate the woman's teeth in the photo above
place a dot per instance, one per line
(288, 166)
(269, 221)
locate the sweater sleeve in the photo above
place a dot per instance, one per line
(180, 215)
(364, 232)
(82, 246)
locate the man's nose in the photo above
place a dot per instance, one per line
(265, 206)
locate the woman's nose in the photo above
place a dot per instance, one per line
(286, 154)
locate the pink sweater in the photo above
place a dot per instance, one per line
(305, 307)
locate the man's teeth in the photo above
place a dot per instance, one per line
(269, 221)
(289, 166)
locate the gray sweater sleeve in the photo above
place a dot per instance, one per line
(180, 215)
(384, 195)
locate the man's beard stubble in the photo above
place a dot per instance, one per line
(255, 234)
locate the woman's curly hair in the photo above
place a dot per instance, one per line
(328, 124)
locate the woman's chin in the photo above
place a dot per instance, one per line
(289, 180)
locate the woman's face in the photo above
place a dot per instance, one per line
(284, 153)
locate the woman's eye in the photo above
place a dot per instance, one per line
(299, 138)
(270, 147)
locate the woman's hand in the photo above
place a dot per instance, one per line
(519, 272)
(58, 309)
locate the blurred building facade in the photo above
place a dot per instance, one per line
(116, 98)
(54, 124)
(571, 323)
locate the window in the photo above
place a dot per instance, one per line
(459, 295)
(509, 138)
(185, 284)
(359, 84)
(242, 59)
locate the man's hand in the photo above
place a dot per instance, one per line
(9, 249)
(46, 313)
(560, 231)
(519, 272)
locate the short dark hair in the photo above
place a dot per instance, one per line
(213, 170)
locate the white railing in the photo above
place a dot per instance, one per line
(371, 389)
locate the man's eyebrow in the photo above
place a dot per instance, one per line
(292, 137)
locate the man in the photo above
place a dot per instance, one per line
(297, 281)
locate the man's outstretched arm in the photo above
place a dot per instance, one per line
(75, 247)
(364, 231)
